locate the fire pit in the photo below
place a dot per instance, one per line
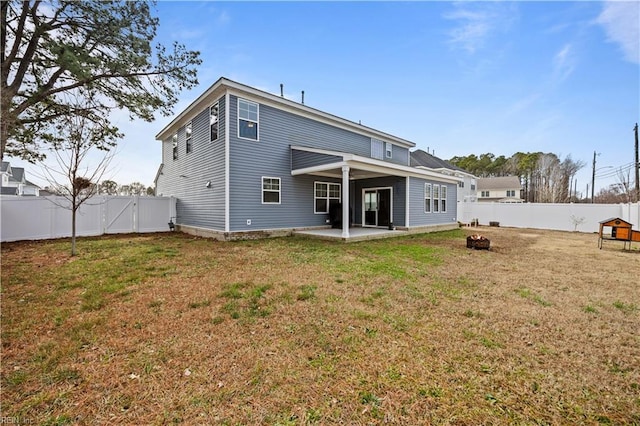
(478, 242)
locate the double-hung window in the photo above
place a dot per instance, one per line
(174, 144)
(247, 119)
(377, 149)
(443, 199)
(188, 133)
(325, 195)
(484, 193)
(511, 193)
(436, 198)
(213, 121)
(270, 190)
(427, 197)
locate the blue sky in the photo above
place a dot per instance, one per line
(455, 78)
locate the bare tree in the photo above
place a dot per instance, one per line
(83, 151)
(623, 184)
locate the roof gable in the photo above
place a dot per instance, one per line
(224, 85)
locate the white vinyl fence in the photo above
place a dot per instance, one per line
(39, 218)
(563, 217)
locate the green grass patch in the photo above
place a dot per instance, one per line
(199, 304)
(627, 308)
(307, 292)
(526, 293)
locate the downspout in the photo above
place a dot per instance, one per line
(227, 113)
(407, 204)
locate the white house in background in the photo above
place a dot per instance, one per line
(466, 187)
(13, 181)
(505, 189)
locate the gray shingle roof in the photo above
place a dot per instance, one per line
(424, 159)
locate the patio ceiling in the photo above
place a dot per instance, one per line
(364, 168)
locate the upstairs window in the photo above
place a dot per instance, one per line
(326, 195)
(188, 132)
(460, 184)
(213, 121)
(427, 198)
(388, 150)
(247, 119)
(377, 149)
(436, 197)
(174, 143)
(270, 190)
(443, 199)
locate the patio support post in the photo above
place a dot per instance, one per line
(345, 201)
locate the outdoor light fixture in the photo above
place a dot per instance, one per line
(172, 226)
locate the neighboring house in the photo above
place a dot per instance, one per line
(240, 160)
(14, 182)
(505, 189)
(466, 187)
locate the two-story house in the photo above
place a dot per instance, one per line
(466, 186)
(504, 189)
(240, 160)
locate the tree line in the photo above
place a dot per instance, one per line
(545, 177)
(109, 187)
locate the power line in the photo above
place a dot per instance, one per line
(614, 171)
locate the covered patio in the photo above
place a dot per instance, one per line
(379, 198)
(354, 234)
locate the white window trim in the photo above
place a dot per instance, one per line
(215, 104)
(328, 198)
(430, 193)
(188, 135)
(174, 146)
(388, 150)
(436, 199)
(262, 190)
(257, 122)
(443, 198)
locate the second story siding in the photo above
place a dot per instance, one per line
(198, 175)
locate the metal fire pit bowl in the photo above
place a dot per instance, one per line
(478, 242)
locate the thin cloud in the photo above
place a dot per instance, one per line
(564, 62)
(477, 23)
(621, 23)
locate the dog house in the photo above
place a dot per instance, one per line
(618, 230)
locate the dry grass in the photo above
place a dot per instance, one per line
(161, 329)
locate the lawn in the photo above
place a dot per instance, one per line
(168, 329)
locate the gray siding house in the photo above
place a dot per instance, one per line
(241, 161)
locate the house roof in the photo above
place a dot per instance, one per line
(495, 183)
(17, 174)
(616, 220)
(420, 158)
(223, 85)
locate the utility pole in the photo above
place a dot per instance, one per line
(635, 129)
(593, 176)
